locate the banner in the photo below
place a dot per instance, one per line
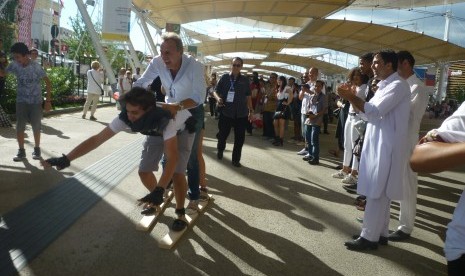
(25, 9)
(116, 20)
(173, 27)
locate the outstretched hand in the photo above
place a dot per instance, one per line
(58, 162)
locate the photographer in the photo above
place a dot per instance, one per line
(315, 118)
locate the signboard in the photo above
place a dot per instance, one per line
(192, 50)
(172, 27)
(116, 20)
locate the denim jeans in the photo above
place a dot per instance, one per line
(313, 140)
(193, 170)
(304, 130)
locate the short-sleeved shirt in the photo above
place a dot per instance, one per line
(316, 106)
(174, 125)
(241, 86)
(29, 90)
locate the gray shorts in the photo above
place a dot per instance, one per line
(185, 141)
(28, 113)
(151, 154)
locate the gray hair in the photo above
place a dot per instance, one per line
(174, 37)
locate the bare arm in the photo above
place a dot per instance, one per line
(48, 97)
(432, 157)
(90, 144)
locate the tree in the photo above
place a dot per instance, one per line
(7, 19)
(114, 53)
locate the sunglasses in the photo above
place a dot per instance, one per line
(237, 65)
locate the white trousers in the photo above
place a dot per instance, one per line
(376, 218)
(91, 99)
(350, 135)
(408, 205)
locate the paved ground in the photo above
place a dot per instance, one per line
(275, 216)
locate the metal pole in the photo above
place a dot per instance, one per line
(96, 42)
(146, 32)
(134, 56)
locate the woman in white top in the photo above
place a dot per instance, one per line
(94, 89)
(283, 110)
(126, 83)
(359, 87)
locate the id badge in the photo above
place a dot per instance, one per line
(230, 97)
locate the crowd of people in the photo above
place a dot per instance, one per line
(373, 133)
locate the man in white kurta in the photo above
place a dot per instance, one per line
(384, 155)
(418, 101)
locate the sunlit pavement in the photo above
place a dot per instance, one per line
(277, 215)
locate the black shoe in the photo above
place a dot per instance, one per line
(326, 132)
(313, 161)
(351, 188)
(219, 155)
(236, 164)
(382, 240)
(398, 235)
(307, 157)
(148, 211)
(361, 244)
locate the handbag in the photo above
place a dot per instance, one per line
(101, 89)
(357, 150)
(360, 127)
(280, 114)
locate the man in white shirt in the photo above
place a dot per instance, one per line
(443, 149)
(384, 154)
(140, 114)
(183, 79)
(418, 101)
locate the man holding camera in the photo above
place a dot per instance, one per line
(234, 98)
(313, 122)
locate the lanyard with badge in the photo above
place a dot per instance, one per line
(230, 97)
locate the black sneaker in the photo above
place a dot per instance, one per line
(351, 188)
(36, 153)
(20, 156)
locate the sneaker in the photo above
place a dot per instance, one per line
(93, 118)
(307, 157)
(340, 174)
(349, 179)
(20, 156)
(36, 153)
(204, 196)
(351, 188)
(303, 152)
(192, 207)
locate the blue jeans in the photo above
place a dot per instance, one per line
(193, 170)
(313, 140)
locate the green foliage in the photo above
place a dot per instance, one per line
(8, 101)
(460, 94)
(7, 18)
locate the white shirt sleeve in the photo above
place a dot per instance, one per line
(176, 124)
(452, 129)
(117, 125)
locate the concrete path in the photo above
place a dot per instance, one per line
(277, 215)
